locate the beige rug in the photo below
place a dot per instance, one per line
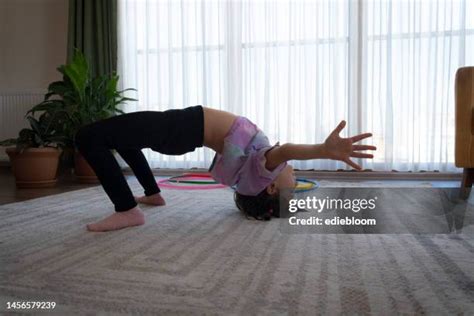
(198, 255)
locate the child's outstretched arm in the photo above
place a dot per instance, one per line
(334, 147)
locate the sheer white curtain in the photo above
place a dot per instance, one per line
(296, 68)
(411, 51)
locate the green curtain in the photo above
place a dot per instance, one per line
(93, 30)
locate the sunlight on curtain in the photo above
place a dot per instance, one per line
(412, 50)
(296, 68)
(173, 53)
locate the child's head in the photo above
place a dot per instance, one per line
(267, 203)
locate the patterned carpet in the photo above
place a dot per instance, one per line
(198, 255)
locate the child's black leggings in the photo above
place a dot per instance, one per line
(172, 132)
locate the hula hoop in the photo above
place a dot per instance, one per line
(196, 174)
(172, 183)
(192, 180)
(305, 185)
(191, 183)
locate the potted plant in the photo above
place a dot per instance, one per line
(35, 157)
(82, 99)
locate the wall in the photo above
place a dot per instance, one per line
(33, 43)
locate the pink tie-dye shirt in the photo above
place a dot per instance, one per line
(242, 162)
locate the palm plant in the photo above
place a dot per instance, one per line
(80, 99)
(69, 104)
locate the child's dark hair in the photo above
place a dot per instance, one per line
(262, 206)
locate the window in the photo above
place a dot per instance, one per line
(296, 68)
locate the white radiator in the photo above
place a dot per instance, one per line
(13, 107)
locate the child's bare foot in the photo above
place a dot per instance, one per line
(155, 199)
(119, 220)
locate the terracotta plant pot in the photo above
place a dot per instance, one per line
(83, 171)
(34, 167)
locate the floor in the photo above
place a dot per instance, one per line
(66, 182)
(199, 255)
(9, 193)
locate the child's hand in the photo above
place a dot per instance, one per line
(339, 148)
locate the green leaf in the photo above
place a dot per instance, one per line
(122, 100)
(61, 69)
(129, 89)
(35, 125)
(48, 105)
(25, 133)
(77, 100)
(78, 73)
(38, 140)
(58, 88)
(9, 142)
(112, 85)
